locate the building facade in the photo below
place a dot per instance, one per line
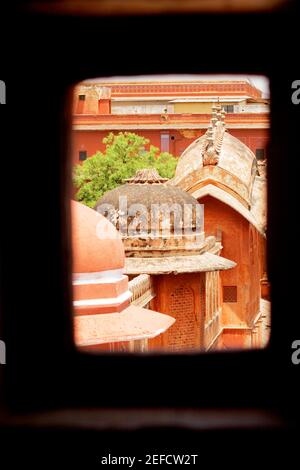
(171, 115)
(223, 174)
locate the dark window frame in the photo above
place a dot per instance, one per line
(227, 106)
(82, 155)
(260, 153)
(45, 367)
(230, 294)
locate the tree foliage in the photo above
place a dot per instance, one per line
(125, 153)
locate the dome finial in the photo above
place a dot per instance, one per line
(210, 134)
(214, 118)
(217, 110)
(146, 176)
(214, 136)
(223, 114)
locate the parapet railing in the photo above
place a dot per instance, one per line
(142, 290)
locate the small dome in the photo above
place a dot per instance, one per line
(147, 194)
(97, 245)
(142, 195)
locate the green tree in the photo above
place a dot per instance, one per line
(125, 153)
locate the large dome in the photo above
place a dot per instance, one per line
(143, 194)
(97, 245)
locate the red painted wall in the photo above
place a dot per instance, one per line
(241, 243)
(183, 297)
(253, 138)
(91, 141)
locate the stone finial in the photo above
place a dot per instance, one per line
(216, 110)
(214, 136)
(209, 154)
(210, 134)
(223, 114)
(262, 168)
(146, 176)
(214, 121)
(214, 118)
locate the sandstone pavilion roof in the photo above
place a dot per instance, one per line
(102, 310)
(157, 246)
(222, 166)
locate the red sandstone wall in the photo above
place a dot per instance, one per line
(91, 141)
(181, 296)
(238, 88)
(236, 339)
(240, 244)
(253, 138)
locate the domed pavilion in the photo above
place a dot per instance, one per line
(163, 234)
